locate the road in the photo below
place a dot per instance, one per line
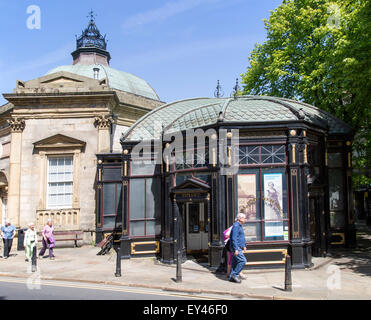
(34, 289)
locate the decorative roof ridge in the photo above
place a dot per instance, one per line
(317, 109)
(124, 136)
(188, 112)
(225, 106)
(272, 99)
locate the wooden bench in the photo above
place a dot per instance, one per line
(68, 236)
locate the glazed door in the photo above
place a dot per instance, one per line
(197, 228)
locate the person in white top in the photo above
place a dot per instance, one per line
(30, 241)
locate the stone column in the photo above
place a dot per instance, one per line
(103, 122)
(16, 128)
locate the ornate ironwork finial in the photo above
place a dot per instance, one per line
(219, 91)
(236, 89)
(91, 37)
(91, 15)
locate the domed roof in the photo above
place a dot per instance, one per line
(119, 80)
(199, 112)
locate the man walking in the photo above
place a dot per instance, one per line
(8, 233)
(238, 243)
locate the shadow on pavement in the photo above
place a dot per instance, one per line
(202, 260)
(279, 288)
(221, 276)
(359, 258)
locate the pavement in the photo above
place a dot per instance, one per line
(345, 275)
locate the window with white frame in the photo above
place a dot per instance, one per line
(60, 180)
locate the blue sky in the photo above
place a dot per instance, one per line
(181, 47)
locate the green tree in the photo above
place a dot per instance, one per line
(318, 51)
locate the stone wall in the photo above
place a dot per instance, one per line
(33, 188)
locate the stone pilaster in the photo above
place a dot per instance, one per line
(16, 128)
(103, 123)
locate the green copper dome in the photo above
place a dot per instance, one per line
(199, 112)
(118, 80)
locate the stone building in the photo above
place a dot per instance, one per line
(52, 129)
(68, 144)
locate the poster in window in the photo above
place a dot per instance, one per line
(273, 204)
(252, 231)
(247, 195)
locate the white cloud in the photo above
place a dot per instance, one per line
(170, 9)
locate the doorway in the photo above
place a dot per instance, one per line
(196, 227)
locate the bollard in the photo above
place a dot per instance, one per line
(179, 266)
(33, 259)
(118, 263)
(288, 282)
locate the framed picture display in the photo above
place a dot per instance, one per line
(273, 200)
(247, 196)
(261, 194)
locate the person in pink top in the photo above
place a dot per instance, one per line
(48, 239)
(226, 235)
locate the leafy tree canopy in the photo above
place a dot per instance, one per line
(318, 51)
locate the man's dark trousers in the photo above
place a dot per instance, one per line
(7, 246)
(238, 262)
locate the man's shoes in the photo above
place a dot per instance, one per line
(6, 257)
(242, 277)
(52, 258)
(44, 257)
(235, 279)
(26, 260)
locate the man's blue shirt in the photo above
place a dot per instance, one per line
(237, 237)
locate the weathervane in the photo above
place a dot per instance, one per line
(219, 91)
(236, 89)
(92, 15)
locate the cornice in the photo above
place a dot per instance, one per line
(30, 99)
